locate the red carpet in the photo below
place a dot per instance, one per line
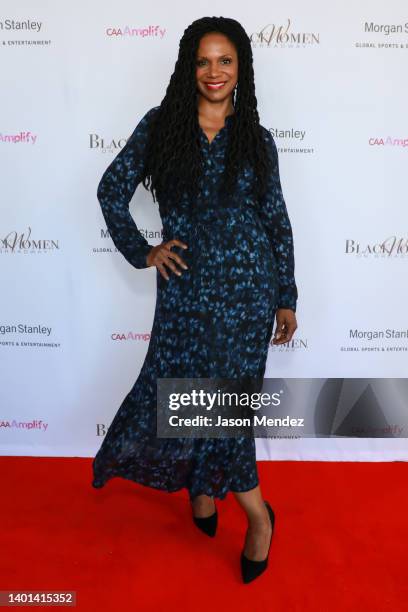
(340, 541)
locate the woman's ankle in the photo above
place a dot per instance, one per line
(259, 520)
(203, 505)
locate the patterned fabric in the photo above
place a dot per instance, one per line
(215, 320)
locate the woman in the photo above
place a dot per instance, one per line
(224, 271)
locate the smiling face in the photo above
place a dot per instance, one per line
(216, 67)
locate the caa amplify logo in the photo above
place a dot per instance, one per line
(14, 242)
(42, 425)
(150, 31)
(388, 142)
(26, 137)
(391, 247)
(130, 336)
(282, 35)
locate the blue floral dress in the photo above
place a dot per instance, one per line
(215, 320)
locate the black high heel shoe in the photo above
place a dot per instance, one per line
(252, 569)
(207, 524)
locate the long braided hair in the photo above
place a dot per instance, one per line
(173, 153)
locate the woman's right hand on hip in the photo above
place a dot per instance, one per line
(161, 256)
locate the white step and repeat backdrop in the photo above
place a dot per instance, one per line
(75, 316)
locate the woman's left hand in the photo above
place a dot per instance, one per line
(285, 325)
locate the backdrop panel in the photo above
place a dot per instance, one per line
(76, 317)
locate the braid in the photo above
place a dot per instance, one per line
(174, 158)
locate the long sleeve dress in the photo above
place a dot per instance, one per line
(215, 320)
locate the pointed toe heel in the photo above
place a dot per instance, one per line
(252, 569)
(207, 524)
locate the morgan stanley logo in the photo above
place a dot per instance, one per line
(13, 24)
(272, 35)
(386, 28)
(151, 31)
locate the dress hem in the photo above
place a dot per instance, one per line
(99, 484)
